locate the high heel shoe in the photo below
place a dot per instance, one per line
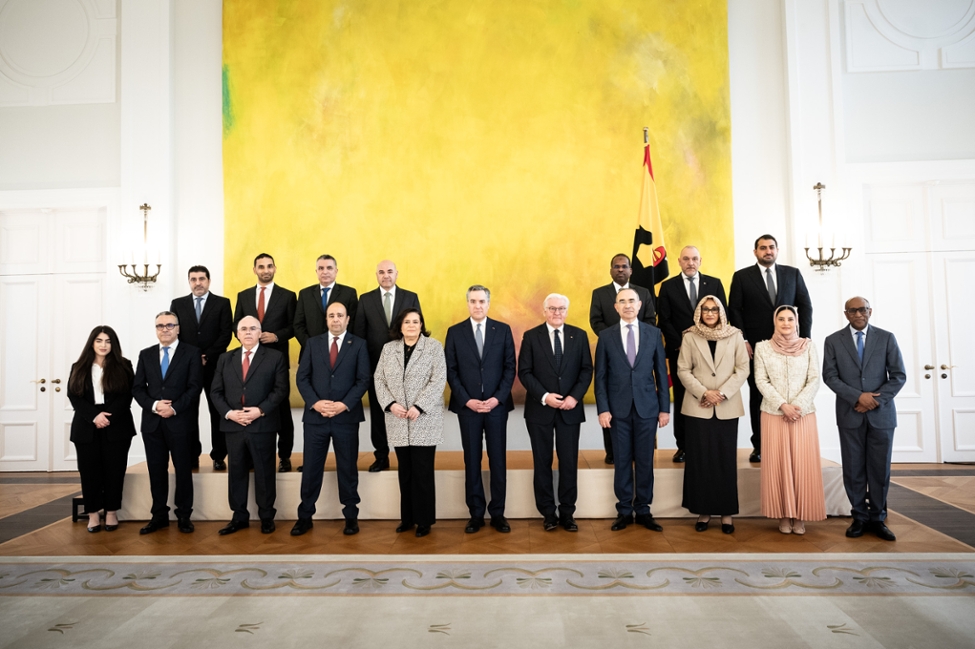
(727, 528)
(785, 526)
(798, 527)
(111, 528)
(96, 528)
(702, 525)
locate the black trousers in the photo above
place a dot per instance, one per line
(260, 446)
(286, 430)
(101, 463)
(566, 443)
(176, 442)
(377, 424)
(680, 430)
(492, 428)
(417, 487)
(317, 437)
(754, 406)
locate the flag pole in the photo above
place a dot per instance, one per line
(646, 135)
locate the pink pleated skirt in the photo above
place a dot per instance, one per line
(792, 475)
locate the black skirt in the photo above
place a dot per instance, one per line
(711, 466)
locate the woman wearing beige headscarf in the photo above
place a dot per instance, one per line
(787, 374)
(713, 365)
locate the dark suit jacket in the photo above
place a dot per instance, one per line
(749, 306)
(370, 319)
(602, 313)
(538, 373)
(182, 385)
(265, 387)
(471, 377)
(346, 382)
(674, 310)
(121, 424)
(212, 333)
(882, 371)
(620, 387)
(279, 316)
(310, 316)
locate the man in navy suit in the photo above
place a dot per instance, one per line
(332, 377)
(167, 382)
(480, 371)
(756, 291)
(207, 323)
(863, 366)
(632, 395)
(555, 366)
(313, 300)
(676, 303)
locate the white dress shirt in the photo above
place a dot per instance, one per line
(775, 279)
(172, 352)
(551, 341)
(267, 295)
(624, 332)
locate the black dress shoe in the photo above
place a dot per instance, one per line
(302, 525)
(755, 457)
(550, 523)
(379, 465)
(233, 526)
(154, 525)
(883, 532)
(196, 463)
(647, 521)
(300, 468)
(110, 528)
(422, 530)
(267, 525)
(351, 527)
(679, 456)
(285, 466)
(569, 524)
(474, 525)
(404, 527)
(701, 526)
(219, 465)
(620, 523)
(500, 523)
(609, 458)
(727, 528)
(96, 528)
(855, 530)
(185, 525)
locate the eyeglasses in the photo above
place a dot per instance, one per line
(705, 309)
(557, 309)
(862, 310)
(169, 326)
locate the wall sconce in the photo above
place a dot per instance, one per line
(135, 276)
(823, 264)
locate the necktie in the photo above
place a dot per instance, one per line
(333, 351)
(325, 299)
(558, 349)
(770, 284)
(388, 308)
(693, 292)
(164, 366)
(860, 345)
(243, 370)
(199, 309)
(479, 339)
(260, 305)
(630, 345)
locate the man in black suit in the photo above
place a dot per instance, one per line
(248, 386)
(756, 291)
(167, 382)
(632, 393)
(676, 303)
(207, 325)
(314, 299)
(480, 371)
(602, 313)
(555, 366)
(274, 308)
(375, 313)
(332, 377)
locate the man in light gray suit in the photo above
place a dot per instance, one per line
(863, 366)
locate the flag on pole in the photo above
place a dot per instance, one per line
(652, 267)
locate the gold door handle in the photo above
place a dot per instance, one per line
(947, 367)
(59, 380)
(929, 367)
(40, 381)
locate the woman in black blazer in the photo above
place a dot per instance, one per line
(100, 390)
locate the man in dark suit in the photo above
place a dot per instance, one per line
(313, 300)
(207, 325)
(248, 386)
(555, 366)
(602, 314)
(756, 291)
(332, 377)
(375, 313)
(274, 308)
(863, 366)
(480, 371)
(676, 303)
(167, 382)
(632, 394)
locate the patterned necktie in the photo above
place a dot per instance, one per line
(558, 349)
(860, 345)
(630, 345)
(164, 366)
(333, 351)
(388, 308)
(325, 299)
(479, 339)
(260, 305)
(693, 292)
(199, 309)
(770, 284)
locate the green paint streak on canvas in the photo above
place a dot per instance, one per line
(228, 111)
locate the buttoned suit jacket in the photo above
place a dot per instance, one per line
(265, 387)
(212, 333)
(726, 373)
(310, 316)
(370, 319)
(473, 377)
(182, 386)
(121, 425)
(882, 370)
(674, 311)
(642, 387)
(346, 382)
(420, 383)
(539, 374)
(279, 316)
(603, 314)
(751, 309)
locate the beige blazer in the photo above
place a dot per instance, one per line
(726, 372)
(421, 385)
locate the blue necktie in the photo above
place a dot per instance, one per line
(164, 366)
(199, 309)
(325, 299)
(860, 345)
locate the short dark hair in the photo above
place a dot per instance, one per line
(198, 269)
(262, 256)
(321, 257)
(396, 328)
(765, 236)
(624, 256)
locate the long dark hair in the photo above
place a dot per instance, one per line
(396, 329)
(117, 373)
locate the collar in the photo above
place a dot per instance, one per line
(762, 269)
(620, 288)
(253, 351)
(268, 287)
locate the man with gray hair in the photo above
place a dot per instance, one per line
(555, 366)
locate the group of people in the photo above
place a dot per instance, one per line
(378, 344)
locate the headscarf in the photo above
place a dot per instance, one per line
(720, 332)
(788, 345)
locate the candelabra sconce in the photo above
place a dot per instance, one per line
(135, 276)
(820, 263)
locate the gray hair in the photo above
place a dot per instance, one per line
(478, 287)
(555, 296)
(161, 313)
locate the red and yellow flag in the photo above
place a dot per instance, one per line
(650, 271)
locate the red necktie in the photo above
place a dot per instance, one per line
(260, 305)
(333, 352)
(246, 366)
